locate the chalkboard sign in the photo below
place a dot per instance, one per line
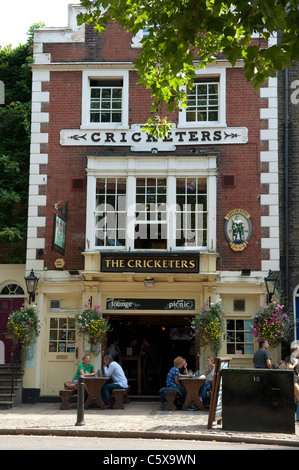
(215, 411)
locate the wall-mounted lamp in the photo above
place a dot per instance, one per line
(149, 282)
(270, 282)
(31, 285)
(154, 151)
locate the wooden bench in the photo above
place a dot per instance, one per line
(70, 389)
(120, 396)
(170, 397)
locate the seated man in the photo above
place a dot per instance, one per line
(114, 370)
(172, 381)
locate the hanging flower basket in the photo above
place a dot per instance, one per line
(208, 326)
(23, 327)
(270, 322)
(91, 323)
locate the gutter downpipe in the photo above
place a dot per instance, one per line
(286, 150)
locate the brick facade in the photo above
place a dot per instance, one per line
(233, 157)
(60, 97)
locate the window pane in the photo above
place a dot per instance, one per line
(151, 213)
(191, 212)
(62, 335)
(110, 215)
(106, 93)
(116, 117)
(239, 339)
(203, 102)
(105, 99)
(95, 93)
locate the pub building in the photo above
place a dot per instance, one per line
(149, 229)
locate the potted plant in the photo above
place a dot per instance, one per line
(271, 323)
(91, 323)
(23, 327)
(208, 326)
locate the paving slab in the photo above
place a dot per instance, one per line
(138, 420)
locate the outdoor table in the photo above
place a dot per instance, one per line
(193, 386)
(93, 387)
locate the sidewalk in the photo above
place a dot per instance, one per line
(137, 420)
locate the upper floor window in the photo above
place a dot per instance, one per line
(110, 214)
(105, 97)
(151, 212)
(203, 101)
(106, 101)
(191, 212)
(206, 103)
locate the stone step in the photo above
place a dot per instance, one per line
(5, 405)
(6, 396)
(8, 376)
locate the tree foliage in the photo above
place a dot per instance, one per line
(188, 34)
(15, 73)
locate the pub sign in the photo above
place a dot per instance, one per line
(150, 262)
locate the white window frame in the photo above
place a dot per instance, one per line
(234, 332)
(110, 217)
(220, 74)
(131, 169)
(88, 75)
(186, 213)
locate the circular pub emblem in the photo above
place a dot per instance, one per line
(238, 229)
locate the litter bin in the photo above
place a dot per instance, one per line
(258, 400)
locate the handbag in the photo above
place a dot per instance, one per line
(70, 386)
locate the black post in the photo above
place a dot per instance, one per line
(80, 402)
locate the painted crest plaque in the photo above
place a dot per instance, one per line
(238, 229)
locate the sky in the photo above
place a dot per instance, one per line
(17, 17)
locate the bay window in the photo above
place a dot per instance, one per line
(150, 213)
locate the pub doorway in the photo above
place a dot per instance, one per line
(146, 345)
(7, 305)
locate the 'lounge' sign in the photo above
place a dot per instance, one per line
(150, 304)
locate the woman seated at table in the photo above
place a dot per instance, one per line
(118, 379)
(207, 386)
(173, 383)
(85, 368)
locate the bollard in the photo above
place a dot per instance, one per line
(80, 402)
